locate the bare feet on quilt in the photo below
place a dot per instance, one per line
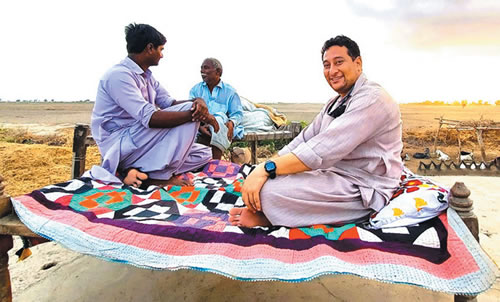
(243, 217)
(135, 178)
(176, 181)
(173, 181)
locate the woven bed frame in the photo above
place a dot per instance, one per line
(10, 224)
(82, 139)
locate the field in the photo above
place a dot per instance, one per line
(35, 151)
(35, 138)
(414, 116)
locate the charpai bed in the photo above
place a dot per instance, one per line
(187, 228)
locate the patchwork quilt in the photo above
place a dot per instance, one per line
(187, 227)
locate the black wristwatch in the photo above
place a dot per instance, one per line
(270, 168)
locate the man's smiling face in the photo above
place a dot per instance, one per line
(340, 70)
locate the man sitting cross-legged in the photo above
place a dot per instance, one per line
(223, 102)
(142, 132)
(343, 166)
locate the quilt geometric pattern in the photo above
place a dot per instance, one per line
(187, 227)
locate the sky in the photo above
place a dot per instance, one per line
(270, 50)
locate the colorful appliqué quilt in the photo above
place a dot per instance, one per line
(187, 227)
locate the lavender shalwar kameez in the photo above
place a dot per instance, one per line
(354, 159)
(126, 99)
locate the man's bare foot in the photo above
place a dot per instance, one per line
(176, 181)
(135, 178)
(243, 217)
(173, 181)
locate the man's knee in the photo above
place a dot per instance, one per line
(272, 191)
(180, 107)
(188, 130)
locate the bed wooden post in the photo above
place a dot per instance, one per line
(253, 151)
(460, 202)
(79, 149)
(5, 288)
(5, 205)
(5, 246)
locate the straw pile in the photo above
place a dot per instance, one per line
(26, 167)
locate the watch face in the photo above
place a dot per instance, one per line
(270, 166)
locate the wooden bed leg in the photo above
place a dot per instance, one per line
(460, 202)
(5, 205)
(253, 148)
(5, 245)
(5, 288)
(79, 150)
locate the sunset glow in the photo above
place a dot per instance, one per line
(270, 50)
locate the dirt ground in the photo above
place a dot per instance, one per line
(45, 113)
(414, 116)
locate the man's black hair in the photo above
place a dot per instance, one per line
(138, 36)
(352, 47)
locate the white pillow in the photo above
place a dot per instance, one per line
(418, 199)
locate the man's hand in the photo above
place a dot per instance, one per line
(205, 130)
(230, 130)
(200, 110)
(252, 186)
(212, 121)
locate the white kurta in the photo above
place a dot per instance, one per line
(355, 161)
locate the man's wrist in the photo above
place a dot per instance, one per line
(261, 171)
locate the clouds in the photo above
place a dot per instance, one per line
(270, 49)
(435, 24)
(409, 10)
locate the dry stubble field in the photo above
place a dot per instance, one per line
(35, 138)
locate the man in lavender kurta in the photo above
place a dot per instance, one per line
(143, 133)
(343, 166)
